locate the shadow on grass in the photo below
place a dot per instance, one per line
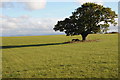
(33, 45)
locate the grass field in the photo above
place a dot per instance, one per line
(48, 57)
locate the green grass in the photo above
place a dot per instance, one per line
(47, 57)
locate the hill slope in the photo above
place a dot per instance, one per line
(49, 57)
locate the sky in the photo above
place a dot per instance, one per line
(27, 18)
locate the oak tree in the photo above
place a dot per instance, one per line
(89, 18)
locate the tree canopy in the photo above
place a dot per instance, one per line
(89, 18)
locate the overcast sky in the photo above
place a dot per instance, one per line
(27, 17)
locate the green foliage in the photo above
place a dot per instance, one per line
(45, 57)
(89, 18)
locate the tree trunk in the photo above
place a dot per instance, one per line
(83, 38)
(84, 35)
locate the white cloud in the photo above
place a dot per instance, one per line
(22, 0)
(40, 4)
(35, 5)
(94, 1)
(29, 4)
(79, 0)
(26, 25)
(6, 5)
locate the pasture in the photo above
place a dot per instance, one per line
(49, 57)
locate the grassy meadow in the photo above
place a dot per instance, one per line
(49, 57)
